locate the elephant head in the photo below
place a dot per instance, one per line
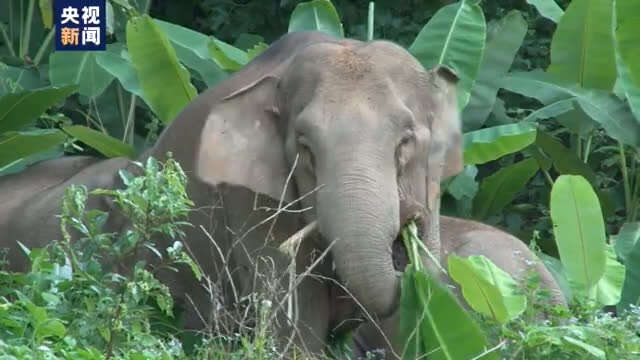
(363, 123)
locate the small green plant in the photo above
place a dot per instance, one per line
(73, 303)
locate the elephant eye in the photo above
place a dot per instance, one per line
(306, 155)
(403, 150)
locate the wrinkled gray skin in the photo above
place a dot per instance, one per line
(364, 124)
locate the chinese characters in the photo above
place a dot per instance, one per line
(80, 24)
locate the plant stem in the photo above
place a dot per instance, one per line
(21, 28)
(587, 148)
(370, 21)
(635, 199)
(130, 121)
(7, 39)
(27, 30)
(625, 180)
(548, 177)
(578, 146)
(44, 46)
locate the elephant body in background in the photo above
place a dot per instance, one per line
(354, 135)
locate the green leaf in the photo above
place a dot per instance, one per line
(455, 37)
(46, 11)
(15, 79)
(226, 56)
(115, 60)
(256, 49)
(433, 322)
(536, 84)
(548, 9)
(609, 288)
(613, 114)
(105, 144)
(192, 49)
(629, 89)
(318, 15)
(582, 48)
(594, 351)
(464, 184)
(498, 190)
(626, 239)
(20, 109)
(165, 83)
(79, 67)
(578, 227)
(496, 61)
(552, 110)
(628, 37)
(16, 145)
(50, 327)
(487, 288)
(488, 144)
(564, 160)
(557, 271)
(631, 287)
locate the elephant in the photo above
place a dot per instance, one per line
(462, 237)
(354, 135)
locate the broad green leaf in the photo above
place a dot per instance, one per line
(464, 184)
(487, 288)
(631, 287)
(20, 109)
(613, 114)
(628, 37)
(578, 227)
(552, 110)
(195, 41)
(455, 37)
(46, 11)
(564, 160)
(318, 15)
(498, 189)
(444, 329)
(536, 84)
(548, 9)
(582, 48)
(626, 239)
(193, 51)
(16, 145)
(496, 60)
(226, 56)
(105, 144)
(16, 79)
(79, 67)
(609, 288)
(590, 349)
(488, 144)
(256, 49)
(164, 81)
(629, 89)
(115, 60)
(50, 327)
(557, 271)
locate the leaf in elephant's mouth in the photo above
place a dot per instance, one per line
(399, 251)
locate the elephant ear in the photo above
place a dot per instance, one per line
(445, 150)
(241, 143)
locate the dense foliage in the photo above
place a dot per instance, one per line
(550, 102)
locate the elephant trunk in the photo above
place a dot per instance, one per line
(359, 211)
